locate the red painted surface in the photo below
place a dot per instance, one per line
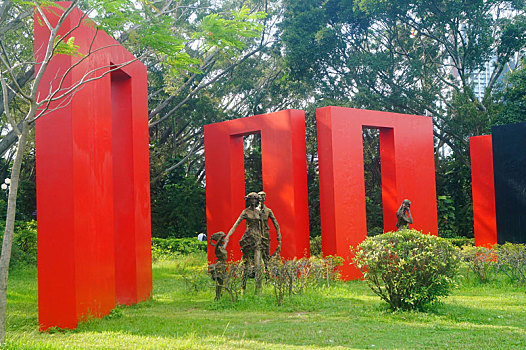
(483, 190)
(93, 195)
(284, 171)
(408, 171)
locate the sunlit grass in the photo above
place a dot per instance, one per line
(183, 315)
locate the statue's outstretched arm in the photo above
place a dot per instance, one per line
(276, 226)
(233, 229)
(278, 232)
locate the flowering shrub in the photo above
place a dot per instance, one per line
(507, 260)
(408, 269)
(297, 275)
(481, 261)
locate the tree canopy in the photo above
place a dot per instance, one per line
(210, 61)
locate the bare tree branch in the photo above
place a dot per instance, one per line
(202, 86)
(75, 88)
(6, 105)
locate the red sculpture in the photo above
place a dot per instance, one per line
(93, 186)
(284, 170)
(407, 167)
(483, 189)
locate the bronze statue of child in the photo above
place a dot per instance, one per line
(218, 270)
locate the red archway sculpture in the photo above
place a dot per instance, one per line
(283, 158)
(93, 185)
(483, 190)
(407, 168)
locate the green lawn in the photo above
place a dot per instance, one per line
(183, 315)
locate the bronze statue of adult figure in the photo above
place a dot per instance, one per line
(250, 242)
(218, 270)
(266, 213)
(403, 214)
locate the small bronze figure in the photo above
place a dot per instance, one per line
(218, 270)
(250, 242)
(403, 214)
(266, 213)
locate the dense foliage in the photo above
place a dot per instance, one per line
(507, 260)
(210, 61)
(408, 269)
(178, 206)
(24, 251)
(168, 248)
(415, 57)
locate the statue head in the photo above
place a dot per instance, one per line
(252, 198)
(217, 238)
(262, 196)
(406, 203)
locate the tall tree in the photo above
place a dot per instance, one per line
(510, 104)
(410, 56)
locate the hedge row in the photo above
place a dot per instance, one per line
(166, 247)
(488, 265)
(24, 250)
(315, 243)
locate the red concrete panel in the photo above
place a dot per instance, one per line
(125, 274)
(284, 168)
(141, 183)
(92, 182)
(408, 171)
(483, 190)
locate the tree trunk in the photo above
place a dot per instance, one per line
(9, 227)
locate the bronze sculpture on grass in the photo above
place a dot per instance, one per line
(250, 242)
(403, 214)
(218, 270)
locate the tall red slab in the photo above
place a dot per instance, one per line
(284, 168)
(483, 191)
(93, 196)
(407, 167)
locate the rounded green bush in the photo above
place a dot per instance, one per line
(408, 269)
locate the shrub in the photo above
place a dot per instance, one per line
(511, 260)
(298, 275)
(481, 261)
(315, 246)
(461, 241)
(508, 259)
(232, 281)
(24, 249)
(326, 269)
(163, 248)
(408, 269)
